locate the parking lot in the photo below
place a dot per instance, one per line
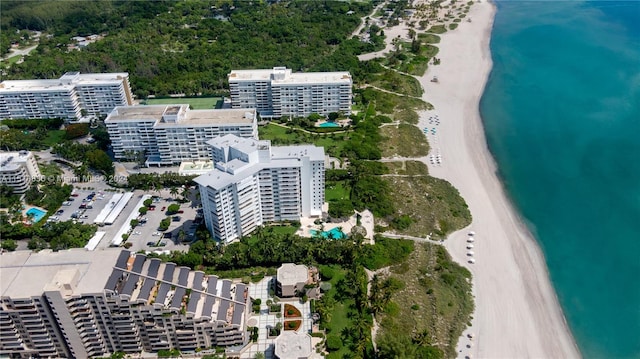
(145, 233)
(85, 215)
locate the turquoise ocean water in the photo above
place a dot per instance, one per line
(562, 116)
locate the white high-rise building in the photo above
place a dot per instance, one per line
(70, 97)
(279, 92)
(170, 134)
(254, 183)
(18, 170)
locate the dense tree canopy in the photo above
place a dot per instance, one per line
(189, 46)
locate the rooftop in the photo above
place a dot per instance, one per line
(65, 82)
(148, 280)
(25, 273)
(292, 274)
(185, 116)
(293, 345)
(234, 170)
(282, 75)
(10, 161)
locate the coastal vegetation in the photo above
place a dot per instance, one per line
(403, 140)
(426, 316)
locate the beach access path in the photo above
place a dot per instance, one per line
(517, 312)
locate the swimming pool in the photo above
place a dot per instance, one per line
(37, 214)
(328, 124)
(334, 233)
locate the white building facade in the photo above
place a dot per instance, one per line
(18, 170)
(279, 92)
(70, 97)
(254, 183)
(170, 134)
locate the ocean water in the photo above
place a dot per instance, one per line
(562, 116)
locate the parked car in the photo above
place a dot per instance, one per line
(61, 211)
(176, 218)
(163, 208)
(162, 244)
(151, 244)
(180, 211)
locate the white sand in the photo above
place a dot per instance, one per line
(517, 313)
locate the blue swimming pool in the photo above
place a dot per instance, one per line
(37, 214)
(334, 233)
(328, 124)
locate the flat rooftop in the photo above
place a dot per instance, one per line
(292, 274)
(72, 80)
(25, 273)
(10, 161)
(185, 116)
(289, 77)
(293, 345)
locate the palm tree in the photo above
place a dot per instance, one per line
(186, 193)
(173, 191)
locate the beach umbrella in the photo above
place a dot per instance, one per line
(472, 260)
(469, 246)
(472, 233)
(470, 239)
(470, 253)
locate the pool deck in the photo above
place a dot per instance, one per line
(25, 210)
(366, 221)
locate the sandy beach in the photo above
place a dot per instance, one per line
(517, 312)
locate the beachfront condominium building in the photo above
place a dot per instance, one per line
(71, 97)
(254, 183)
(279, 92)
(79, 304)
(171, 134)
(18, 170)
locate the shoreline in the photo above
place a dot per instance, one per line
(517, 312)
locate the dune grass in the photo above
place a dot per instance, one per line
(404, 140)
(435, 300)
(435, 206)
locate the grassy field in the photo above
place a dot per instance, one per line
(435, 300)
(278, 135)
(336, 191)
(435, 206)
(197, 103)
(54, 137)
(403, 140)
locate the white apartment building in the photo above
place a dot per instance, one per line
(254, 183)
(69, 97)
(18, 170)
(279, 92)
(171, 134)
(85, 304)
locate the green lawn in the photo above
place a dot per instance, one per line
(339, 321)
(197, 103)
(278, 135)
(54, 137)
(336, 191)
(284, 230)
